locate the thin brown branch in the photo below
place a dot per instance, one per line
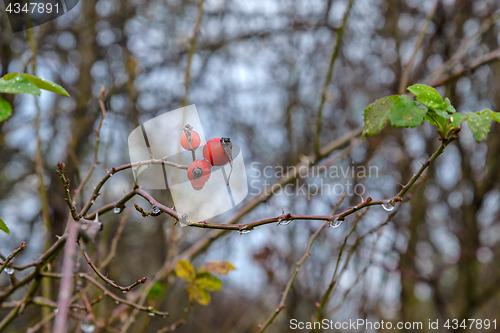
(109, 281)
(114, 241)
(192, 48)
(114, 170)
(19, 308)
(463, 48)
(96, 148)
(467, 68)
(39, 265)
(45, 320)
(288, 288)
(66, 183)
(11, 256)
(329, 290)
(406, 71)
(179, 322)
(281, 305)
(328, 78)
(108, 293)
(66, 286)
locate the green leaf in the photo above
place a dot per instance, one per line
(22, 83)
(208, 282)
(427, 95)
(217, 267)
(4, 227)
(496, 116)
(5, 109)
(157, 291)
(479, 123)
(406, 113)
(435, 119)
(457, 119)
(18, 84)
(185, 270)
(47, 85)
(199, 295)
(376, 114)
(418, 89)
(448, 106)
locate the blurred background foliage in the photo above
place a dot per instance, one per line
(256, 77)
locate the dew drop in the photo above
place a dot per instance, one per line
(337, 222)
(56, 310)
(244, 231)
(88, 325)
(388, 206)
(9, 270)
(124, 291)
(285, 222)
(117, 210)
(151, 314)
(155, 210)
(117, 302)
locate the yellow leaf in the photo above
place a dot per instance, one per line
(185, 270)
(217, 267)
(208, 282)
(198, 294)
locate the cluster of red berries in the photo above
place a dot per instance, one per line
(217, 152)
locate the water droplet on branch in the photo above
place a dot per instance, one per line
(118, 210)
(389, 206)
(9, 270)
(337, 222)
(284, 222)
(88, 325)
(156, 211)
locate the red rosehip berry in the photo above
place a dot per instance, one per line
(195, 141)
(199, 173)
(217, 150)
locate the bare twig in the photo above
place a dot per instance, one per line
(467, 68)
(328, 78)
(66, 182)
(109, 281)
(11, 256)
(179, 322)
(41, 323)
(96, 148)
(192, 48)
(406, 71)
(281, 306)
(329, 290)
(19, 308)
(463, 48)
(66, 287)
(114, 170)
(121, 300)
(114, 242)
